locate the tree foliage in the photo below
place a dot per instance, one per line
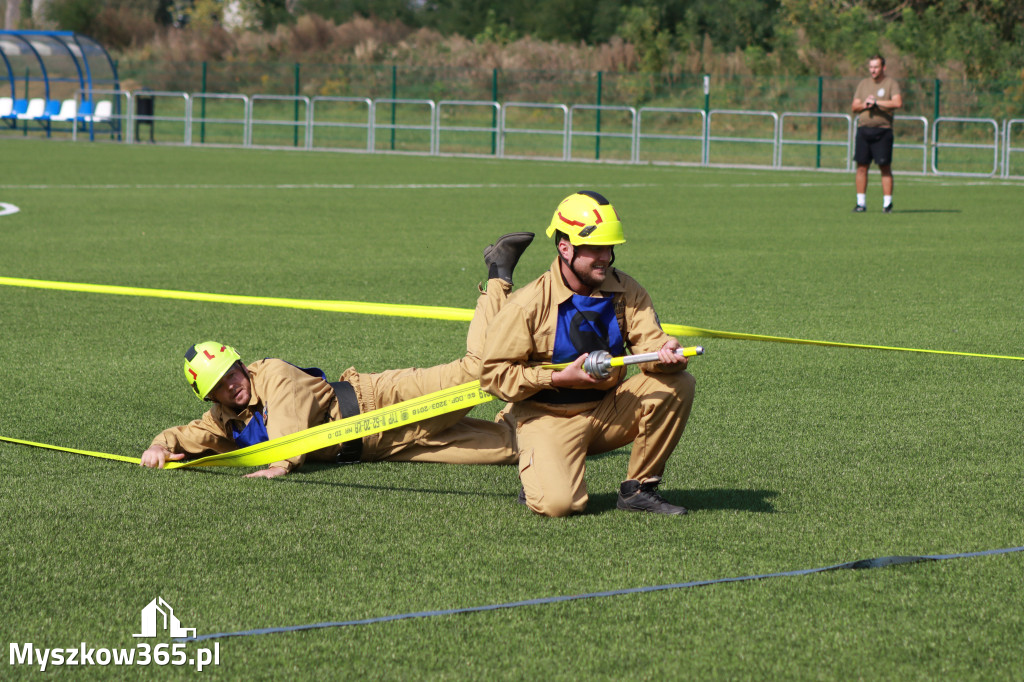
(343, 10)
(984, 37)
(987, 38)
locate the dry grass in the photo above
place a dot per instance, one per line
(361, 41)
(356, 57)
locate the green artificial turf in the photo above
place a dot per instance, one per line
(795, 457)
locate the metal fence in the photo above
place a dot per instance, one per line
(931, 97)
(977, 147)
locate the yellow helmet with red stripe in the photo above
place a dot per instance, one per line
(587, 219)
(206, 363)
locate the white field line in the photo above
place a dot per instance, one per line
(938, 182)
(391, 187)
(343, 186)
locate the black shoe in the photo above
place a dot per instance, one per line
(501, 256)
(859, 209)
(637, 496)
(887, 209)
(522, 497)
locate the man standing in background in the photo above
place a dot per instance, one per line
(874, 102)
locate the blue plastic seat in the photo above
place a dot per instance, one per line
(51, 109)
(67, 111)
(46, 115)
(84, 111)
(19, 108)
(34, 110)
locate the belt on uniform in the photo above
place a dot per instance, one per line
(569, 396)
(351, 451)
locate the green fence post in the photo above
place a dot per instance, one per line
(296, 129)
(394, 96)
(117, 101)
(597, 137)
(117, 86)
(202, 109)
(494, 113)
(935, 117)
(706, 152)
(817, 160)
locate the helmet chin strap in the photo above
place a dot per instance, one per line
(568, 262)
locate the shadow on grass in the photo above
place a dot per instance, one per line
(755, 501)
(738, 499)
(308, 467)
(928, 210)
(300, 480)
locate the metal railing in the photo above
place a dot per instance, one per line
(936, 145)
(641, 136)
(202, 98)
(116, 121)
(295, 124)
(328, 125)
(923, 146)
(152, 118)
(1008, 148)
(505, 129)
(492, 129)
(430, 127)
(599, 134)
(773, 140)
(312, 119)
(845, 143)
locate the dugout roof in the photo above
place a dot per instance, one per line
(53, 65)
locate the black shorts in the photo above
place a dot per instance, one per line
(873, 143)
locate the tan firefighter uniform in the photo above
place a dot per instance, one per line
(288, 400)
(556, 429)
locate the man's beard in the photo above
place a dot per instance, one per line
(590, 278)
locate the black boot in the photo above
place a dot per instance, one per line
(501, 256)
(637, 496)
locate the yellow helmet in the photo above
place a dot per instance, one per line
(206, 363)
(587, 218)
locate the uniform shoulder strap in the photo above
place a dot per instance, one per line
(620, 316)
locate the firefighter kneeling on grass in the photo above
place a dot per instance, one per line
(271, 398)
(583, 304)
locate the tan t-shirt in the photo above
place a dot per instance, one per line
(876, 116)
